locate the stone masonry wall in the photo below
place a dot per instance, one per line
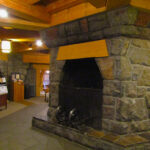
(3, 67)
(55, 77)
(126, 72)
(15, 64)
(127, 21)
(126, 93)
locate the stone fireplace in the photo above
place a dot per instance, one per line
(111, 94)
(81, 88)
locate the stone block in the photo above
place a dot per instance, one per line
(147, 97)
(112, 31)
(84, 25)
(127, 30)
(123, 68)
(62, 41)
(131, 30)
(147, 146)
(131, 89)
(106, 124)
(51, 33)
(140, 147)
(107, 146)
(111, 137)
(119, 127)
(96, 17)
(144, 32)
(131, 140)
(84, 37)
(136, 72)
(118, 46)
(139, 126)
(54, 97)
(108, 100)
(97, 35)
(143, 19)
(57, 67)
(54, 100)
(52, 43)
(62, 31)
(108, 112)
(97, 25)
(126, 15)
(139, 55)
(72, 28)
(112, 88)
(55, 76)
(106, 67)
(53, 55)
(141, 91)
(149, 112)
(131, 109)
(72, 39)
(144, 79)
(141, 43)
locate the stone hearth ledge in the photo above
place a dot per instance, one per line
(99, 140)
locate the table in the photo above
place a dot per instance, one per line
(3, 100)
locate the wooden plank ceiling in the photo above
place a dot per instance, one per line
(27, 17)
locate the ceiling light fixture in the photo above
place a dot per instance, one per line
(6, 46)
(3, 13)
(47, 71)
(30, 48)
(39, 43)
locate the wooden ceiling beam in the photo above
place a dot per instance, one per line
(98, 3)
(143, 4)
(18, 34)
(22, 47)
(60, 5)
(30, 1)
(26, 11)
(112, 4)
(22, 24)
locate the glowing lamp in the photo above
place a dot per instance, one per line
(39, 43)
(3, 13)
(6, 46)
(47, 71)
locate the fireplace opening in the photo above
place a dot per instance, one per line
(80, 94)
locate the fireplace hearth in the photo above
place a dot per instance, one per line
(101, 102)
(80, 93)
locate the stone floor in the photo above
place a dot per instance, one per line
(11, 108)
(16, 133)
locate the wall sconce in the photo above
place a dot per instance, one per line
(6, 46)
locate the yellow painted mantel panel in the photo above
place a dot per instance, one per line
(83, 50)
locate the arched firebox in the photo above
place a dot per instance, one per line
(80, 88)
